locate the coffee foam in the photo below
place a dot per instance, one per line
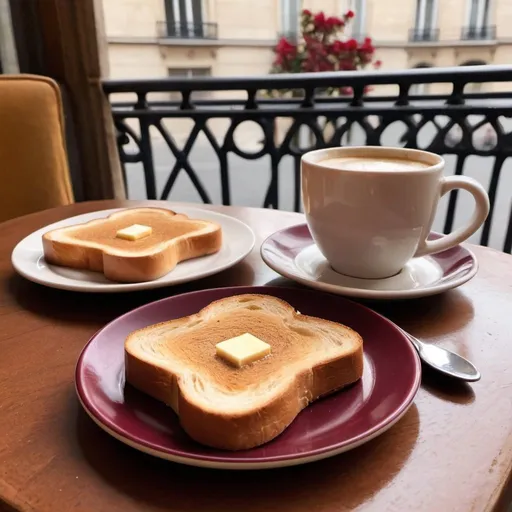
(372, 164)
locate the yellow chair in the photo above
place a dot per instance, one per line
(34, 173)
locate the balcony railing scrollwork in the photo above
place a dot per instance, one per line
(472, 130)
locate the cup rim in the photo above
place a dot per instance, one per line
(315, 156)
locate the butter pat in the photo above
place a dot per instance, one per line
(134, 232)
(242, 349)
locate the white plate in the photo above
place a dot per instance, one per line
(28, 260)
(292, 253)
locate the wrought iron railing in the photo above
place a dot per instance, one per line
(181, 30)
(484, 33)
(423, 34)
(460, 125)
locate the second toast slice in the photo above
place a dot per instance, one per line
(95, 246)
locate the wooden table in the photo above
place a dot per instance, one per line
(451, 452)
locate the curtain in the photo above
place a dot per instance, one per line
(66, 41)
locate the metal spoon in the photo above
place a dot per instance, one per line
(445, 361)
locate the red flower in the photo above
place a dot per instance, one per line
(284, 47)
(367, 46)
(319, 20)
(351, 45)
(347, 65)
(338, 47)
(365, 58)
(320, 49)
(334, 22)
(377, 64)
(278, 61)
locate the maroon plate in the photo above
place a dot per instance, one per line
(292, 253)
(392, 374)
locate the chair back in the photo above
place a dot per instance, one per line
(34, 173)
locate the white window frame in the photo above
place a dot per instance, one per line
(422, 21)
(189, 15)
(290, 14)
(8, 54)
(358, 26)
(482, 17)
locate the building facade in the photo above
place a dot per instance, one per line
(155, 38)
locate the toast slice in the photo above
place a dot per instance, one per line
(95, 245)
(232, 408)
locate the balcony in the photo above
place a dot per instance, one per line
(417, 35)
(485, 33)
(192, 30)
(280, 129)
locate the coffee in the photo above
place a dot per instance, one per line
(373, 164)
(370, 209)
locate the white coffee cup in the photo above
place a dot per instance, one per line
(370, 209)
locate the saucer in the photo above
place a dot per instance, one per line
(28, 259)
(329, 426)
(292, 253)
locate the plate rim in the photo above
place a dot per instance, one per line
(206, 463)
(84, 286)
(269, 462)
(361, 293)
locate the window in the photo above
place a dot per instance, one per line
(420, 89)
(478, 13)
(184, 18)
(290, 18)
(190, 73)
(478, 20)
(8, 54)
(426, 20)
(357, 27)
(472, 87)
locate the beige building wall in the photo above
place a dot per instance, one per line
(240, 19)
(135, 61)
(452, 15)
(132, 18)
(246, 35)
(247, 31)
(502, 11)
(390, 20)
(333, 7)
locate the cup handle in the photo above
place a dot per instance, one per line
(459, 235)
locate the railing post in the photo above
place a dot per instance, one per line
(146, 148)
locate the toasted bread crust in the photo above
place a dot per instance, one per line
(62, 250)
(246, 428)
